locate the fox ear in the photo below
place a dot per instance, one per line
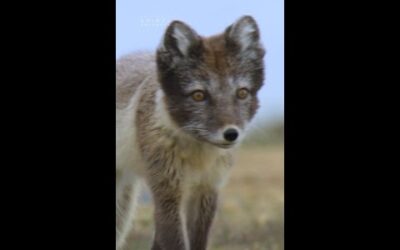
(180, 39)
(244, 33)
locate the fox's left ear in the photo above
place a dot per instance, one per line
(243, 34)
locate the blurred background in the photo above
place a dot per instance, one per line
(250, 216)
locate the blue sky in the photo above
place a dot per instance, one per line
(141, 24)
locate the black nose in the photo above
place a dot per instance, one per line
(231, 134)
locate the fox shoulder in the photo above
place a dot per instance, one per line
(131, 71)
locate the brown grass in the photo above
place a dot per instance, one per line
(250, 215)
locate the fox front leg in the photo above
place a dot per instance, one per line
(169, 233)
(200, 214)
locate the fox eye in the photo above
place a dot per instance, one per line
(242, 93)
(198, 95)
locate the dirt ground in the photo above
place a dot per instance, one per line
(250, 214)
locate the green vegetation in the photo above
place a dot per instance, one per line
(266, 134)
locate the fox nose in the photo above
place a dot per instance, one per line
(231, 134)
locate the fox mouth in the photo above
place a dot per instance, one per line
(224, 145)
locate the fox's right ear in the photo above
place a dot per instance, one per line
(180, 40)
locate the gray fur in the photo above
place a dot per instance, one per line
(175, 143)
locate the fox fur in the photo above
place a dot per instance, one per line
(177, 145)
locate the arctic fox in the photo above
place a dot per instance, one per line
(180, 112)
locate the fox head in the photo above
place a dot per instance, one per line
(211, 84)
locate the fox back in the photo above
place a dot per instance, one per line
(180, 111)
